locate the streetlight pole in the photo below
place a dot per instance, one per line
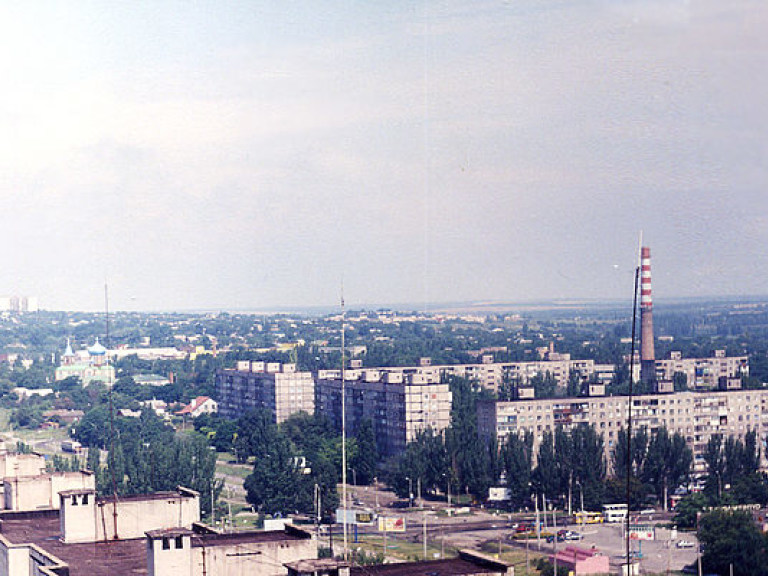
(410, 491)
(418, 492)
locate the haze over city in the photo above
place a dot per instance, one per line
(247, 155)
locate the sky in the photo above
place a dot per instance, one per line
(246, 155)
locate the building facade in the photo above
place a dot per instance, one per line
(398, 404)
(279, 388)
(696, 415)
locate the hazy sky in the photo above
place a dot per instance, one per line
(250, 154)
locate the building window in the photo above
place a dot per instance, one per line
(85, 498)
(74, 499)
(166, 543)
(179, 543)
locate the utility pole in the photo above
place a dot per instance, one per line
(344, 422)
(425, 534)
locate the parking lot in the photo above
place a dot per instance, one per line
(655, 556)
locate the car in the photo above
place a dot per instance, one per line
(561, 536)
(685, 544)
(571, 535)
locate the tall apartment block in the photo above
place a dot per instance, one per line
(279, 388)
(398, 404)
(695, 415)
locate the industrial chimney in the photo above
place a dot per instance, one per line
(647, 354)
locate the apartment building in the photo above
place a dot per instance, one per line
(703, 373)
(490, 374)
(697, 415)
(279, 388)
(399, 404)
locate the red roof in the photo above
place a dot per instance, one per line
(194, 405)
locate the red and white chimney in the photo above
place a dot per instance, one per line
(647, 353)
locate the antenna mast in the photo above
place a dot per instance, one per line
(629, 406)
(343, 420)
(110, 385)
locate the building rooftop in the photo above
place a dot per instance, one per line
(466, 563)
(128, 557)
(250, 537)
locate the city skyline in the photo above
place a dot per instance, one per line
(250, 156)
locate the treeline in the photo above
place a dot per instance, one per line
(733, 478)
(567, 466)
(297, 464)
(144, 455)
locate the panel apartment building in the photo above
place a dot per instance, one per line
(279, 388)
(490, 374)
(398, 403)
(703, 373)
(697, 415)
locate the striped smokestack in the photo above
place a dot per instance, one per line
(647, 354)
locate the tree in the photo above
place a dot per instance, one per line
(273, 484)
(668, 463)
(516, 456)
(425, 460)
(589, 467)
(546, 479)
(680, 381)
(713, 456)
(731, 540)
(688, 509)
(256, 431)
(367, 454)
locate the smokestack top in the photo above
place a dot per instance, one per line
(646, 302)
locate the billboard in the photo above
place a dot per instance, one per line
(389, 524)
(355, 516)
(642, 532)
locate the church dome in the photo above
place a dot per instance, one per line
(97, 349)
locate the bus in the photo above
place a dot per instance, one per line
(588, 518)
(615, 512)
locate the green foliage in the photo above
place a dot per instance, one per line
(367, 456)
(516, 454)
(221, 432)
(546, 568)
(659, 464)
(687, 510)
(731, 540)
(63, 464)
(425, 461)
(362, 558)
(144, 455)
(289, 461)
(467, 453)
(28, 415)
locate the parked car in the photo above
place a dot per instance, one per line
(685, 544)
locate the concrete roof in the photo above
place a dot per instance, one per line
(127, 557)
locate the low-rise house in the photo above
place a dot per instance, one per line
(198, 406)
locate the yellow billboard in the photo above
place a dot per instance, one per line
(396, 524)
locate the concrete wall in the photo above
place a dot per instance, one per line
(14, 558)
(26, 560)
(168, 558)
(13, 464)
(36, 492)
(257, 559)
(95, 520)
